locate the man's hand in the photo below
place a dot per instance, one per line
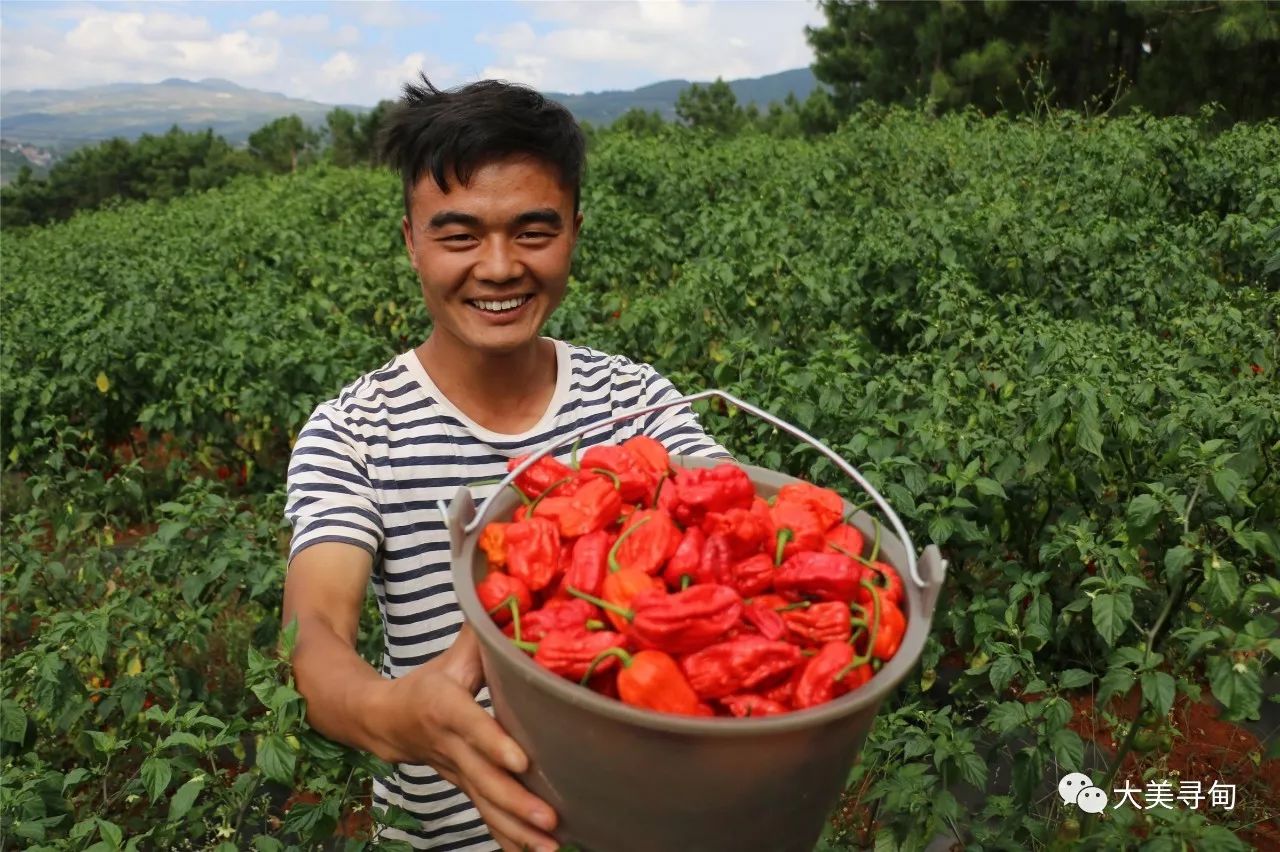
(434, 719)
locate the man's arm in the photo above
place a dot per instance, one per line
(429, 716)
(324, 592)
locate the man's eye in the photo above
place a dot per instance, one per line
(535, 235)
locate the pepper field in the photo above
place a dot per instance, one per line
(1052, 343)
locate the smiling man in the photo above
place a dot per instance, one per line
(491, 177)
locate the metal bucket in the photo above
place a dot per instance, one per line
(624, 779)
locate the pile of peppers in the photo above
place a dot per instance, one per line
(683, 590)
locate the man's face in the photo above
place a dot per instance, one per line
(493, 256)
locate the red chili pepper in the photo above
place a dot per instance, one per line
(818, 683)
(824, 576)
(886, 626)
(570, 653)
(497, 589)
(621, 587)
(698, 491)
(846, 539)
(648, 539)
(798, 530)
(591, 507)
(745, 530)
(686, 561)
(544, 473)
(750, 705)
(636, 479)
(679, 623)
(653, 680)
(533, 552)
(820, 623)
(739, 665)
(827, 505)
(493, 541)
(651, 452)
(589, 562)
(558, 614)
(784, 691)
(752, 576)
(766, 621)
(884, 576)
(716, 565)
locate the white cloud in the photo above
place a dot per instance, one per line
(274, 23)
(340, 66)
(111, 46)
(384, 15)
(581, 46)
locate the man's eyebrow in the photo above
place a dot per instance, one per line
(545, 216)
(452, 217)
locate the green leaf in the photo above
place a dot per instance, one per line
(1006, 717)
(74, 777)
(990, 488)
(263, 843)
(1111, 613)
(156, 774)
(185, 798)
(13, 722)
(1158, 690)
(1115, 682)
(276, 759)
(1236, 685)
(1073, 678)
(1003, 671)
(1068, 749)
(1177, 559)
(1227, 483)
(111, 833)
(1141, 513)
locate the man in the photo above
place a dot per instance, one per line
(491, 177)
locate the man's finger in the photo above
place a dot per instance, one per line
(510, 828)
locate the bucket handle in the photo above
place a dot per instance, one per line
(461, 520)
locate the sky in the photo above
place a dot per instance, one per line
(362, 52)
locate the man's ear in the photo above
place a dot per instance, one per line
(406, 230)
(577, 224)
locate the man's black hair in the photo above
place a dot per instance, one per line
(435, 132)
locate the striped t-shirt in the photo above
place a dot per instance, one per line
(368, 468)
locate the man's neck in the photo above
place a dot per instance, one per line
(507, 393)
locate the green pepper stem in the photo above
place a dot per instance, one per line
(685, 581)
(617, 481)
(874, 631)
(531, 647)
(573, 453)
(602, 603)
(600, 658)
(784, 535)
(524, 498)
(547, 491)
(850, 554)
(614, 567)
(796, 605)
(662, 480)
(595, 624)
(875, 546)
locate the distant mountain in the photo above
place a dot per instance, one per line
(604, 107)
(63, 119)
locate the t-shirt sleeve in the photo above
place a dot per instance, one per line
(677, 428)
(330, 497)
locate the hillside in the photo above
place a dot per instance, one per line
(67, 119)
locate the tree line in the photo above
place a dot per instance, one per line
(996, 57)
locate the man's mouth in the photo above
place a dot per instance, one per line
(499, 306)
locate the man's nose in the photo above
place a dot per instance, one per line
(498, 262)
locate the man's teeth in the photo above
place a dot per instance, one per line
(504, 305)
